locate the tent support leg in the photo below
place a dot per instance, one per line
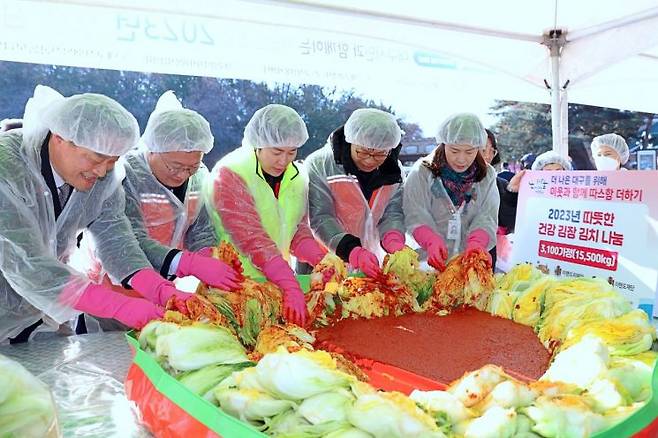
(555, 41)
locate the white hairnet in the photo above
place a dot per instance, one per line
(461, 129)
(614, 141)
(91, 121)
(34, 131)
(172, 128)
(550, 157)
(275, 126)
(373, 128)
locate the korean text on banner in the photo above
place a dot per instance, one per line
(583, 223)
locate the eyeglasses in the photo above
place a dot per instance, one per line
(364, 154)
(178, 170)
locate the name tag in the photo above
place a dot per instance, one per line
(454, 227)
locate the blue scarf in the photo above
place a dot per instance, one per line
(459, 185)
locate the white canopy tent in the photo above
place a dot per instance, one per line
(605, 51)
(602, 53)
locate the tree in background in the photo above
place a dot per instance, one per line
(228, 104)
(524, 127)
(521, 128)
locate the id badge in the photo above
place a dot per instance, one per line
(454, 227)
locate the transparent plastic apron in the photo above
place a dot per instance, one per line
(371, 240)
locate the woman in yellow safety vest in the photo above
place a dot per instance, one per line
(257, 198)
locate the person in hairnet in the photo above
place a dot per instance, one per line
(609, 151)
(551, 160)
(59, 177)
(450, 197)
(163, 189)
(509, 192)
(355, 193)
(257, 200)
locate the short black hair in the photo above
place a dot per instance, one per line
(527, 160)
(494, 144)
(492, 139)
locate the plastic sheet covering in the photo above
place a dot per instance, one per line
(171, 410)
(27, 409)
(85, 374)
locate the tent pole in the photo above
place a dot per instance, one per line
(555, 40)
(555, 102)
(564, 121)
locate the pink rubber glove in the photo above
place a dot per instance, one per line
(392, 241)
(437, 252)
(309, 251)
(211, 271)
(365, 261)
(100, 301)
(278, 272)
(156, 289)
(477, 240)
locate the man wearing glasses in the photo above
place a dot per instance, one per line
(163, 187)
(355, 198)
(59, 176)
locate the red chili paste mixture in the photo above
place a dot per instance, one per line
(441, 348)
